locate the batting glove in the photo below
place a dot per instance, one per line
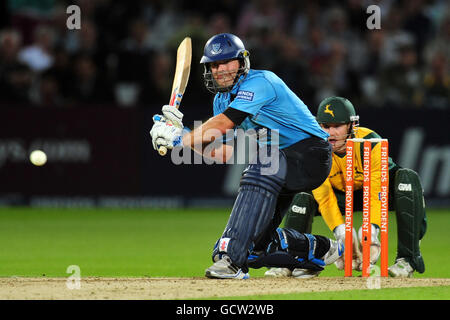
(173, 115)
(165, 134)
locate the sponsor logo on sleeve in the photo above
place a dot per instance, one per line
(245, 95)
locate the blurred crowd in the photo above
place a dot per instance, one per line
(124, 54)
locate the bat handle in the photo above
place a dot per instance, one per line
(162, 150)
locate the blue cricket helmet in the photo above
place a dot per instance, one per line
(224, 46)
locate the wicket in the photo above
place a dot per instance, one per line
(383, 196)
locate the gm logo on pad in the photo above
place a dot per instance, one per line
(404, 187)
(297, 209)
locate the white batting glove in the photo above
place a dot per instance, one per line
(339, 234)
(174, 115)
(165, 134)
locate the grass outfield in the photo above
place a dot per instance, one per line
(164, 243)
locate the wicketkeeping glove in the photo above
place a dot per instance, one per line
(339, 234)
(375, 245)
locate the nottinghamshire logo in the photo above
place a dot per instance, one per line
(327, 110)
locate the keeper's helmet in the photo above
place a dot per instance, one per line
(224, 46)
(337, 110)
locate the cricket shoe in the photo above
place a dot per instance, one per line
(401, 269)
(225, 269)
(278, 273)
(304, 273)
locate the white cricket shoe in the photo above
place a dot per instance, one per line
(304, 273)
(278, 273)
(225, 269)
(401, 269)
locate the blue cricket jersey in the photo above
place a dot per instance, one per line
(272, 105)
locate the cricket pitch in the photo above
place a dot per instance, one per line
(93, 288)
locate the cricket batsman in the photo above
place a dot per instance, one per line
(300, 160)
(337, 116)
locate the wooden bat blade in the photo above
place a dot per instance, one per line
(182, 71)
(180, 80)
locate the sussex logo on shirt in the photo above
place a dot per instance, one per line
(245, 95)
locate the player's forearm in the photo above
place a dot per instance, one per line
(208, 132)
(221, 154)
(218, 154)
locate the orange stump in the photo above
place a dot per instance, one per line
(366, 226)
(383, 196)
(349, 209)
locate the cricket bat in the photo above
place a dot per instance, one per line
(180, 80)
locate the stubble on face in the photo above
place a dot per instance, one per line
(224, 72)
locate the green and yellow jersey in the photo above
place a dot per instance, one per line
(325, 194)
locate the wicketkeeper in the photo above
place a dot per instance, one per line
(258, 101)
(337, 116)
